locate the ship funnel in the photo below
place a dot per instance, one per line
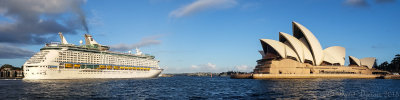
(89, 40)
(63, 40)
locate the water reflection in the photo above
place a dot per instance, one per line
(327, 88)
(300, 88)
(78, 89)
(200, 88)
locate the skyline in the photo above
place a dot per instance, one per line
(209, 35)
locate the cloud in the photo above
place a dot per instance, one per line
(146, 41)
(250, 5)
(360, 3)
(209, 67)
(243, 68)
(33, 21)
(12, 52)
(364, 3)
(201, 5)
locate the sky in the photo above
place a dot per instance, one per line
(198, 35)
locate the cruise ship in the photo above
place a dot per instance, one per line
(61, 60)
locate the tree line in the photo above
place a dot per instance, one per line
(393, 66)
(10, 66)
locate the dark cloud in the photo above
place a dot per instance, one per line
(360, 3)
(146, 41)
(33, 21)
(364, 3)
(12, 52)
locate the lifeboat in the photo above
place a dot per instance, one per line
(77, 65)
(109, 67)
(68, 65)
(102, 67)
(116, 67)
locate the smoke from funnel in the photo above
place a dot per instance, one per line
(83, 21)
(82, 18)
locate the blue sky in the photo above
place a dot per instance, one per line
(222, 35)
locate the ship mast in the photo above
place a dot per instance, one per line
(63, 40)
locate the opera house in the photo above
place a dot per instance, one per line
(301, 56)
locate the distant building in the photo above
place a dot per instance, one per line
(10, 72)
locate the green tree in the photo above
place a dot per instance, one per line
(395, 63)
(7, 66)
(393, 66)
(384, 66)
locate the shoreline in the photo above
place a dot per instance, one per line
(312, 76)
(306, 76)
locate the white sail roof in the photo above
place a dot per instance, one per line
(282, 49)
(337, 53)
(369, 62)
(299, 31)
(354, 61)
(301, 50)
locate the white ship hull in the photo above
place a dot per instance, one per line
(47, 73)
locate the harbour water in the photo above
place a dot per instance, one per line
(184, 87)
